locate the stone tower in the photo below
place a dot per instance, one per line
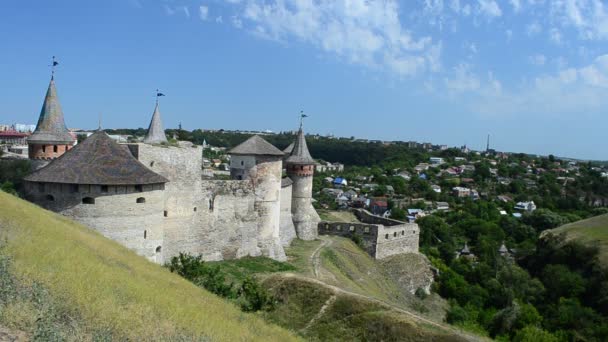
(257, 161)
(300, 168)
(51, 138)
(156, 132)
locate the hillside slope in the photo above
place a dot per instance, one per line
(592, 230)
(338, 292)
(53, 267)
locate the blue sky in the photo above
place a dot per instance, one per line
(532, 73)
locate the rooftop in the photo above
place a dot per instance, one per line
(256, 145)
(51, 127)
(97, 160)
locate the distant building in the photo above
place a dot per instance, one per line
(436, 161)
(525, 206)
(442, 206)
(340, 182)
(24, 128)
(461, 192)
(13, 138)
(378, 206)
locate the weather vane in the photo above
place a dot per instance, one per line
(302, 116)
(158, 94)
(53, 65)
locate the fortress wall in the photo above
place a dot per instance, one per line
(380, 241)
(224, 226)
(368, 233)
(397, 240)
(266, 181)
(287, 229)
(115, 213)
(305, 217)
(182, 167)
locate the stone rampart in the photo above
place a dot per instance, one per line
(380, 240)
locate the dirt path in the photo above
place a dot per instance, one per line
(315, 264)
(329, 302)
(315, 257)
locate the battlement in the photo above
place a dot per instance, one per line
(379, 240)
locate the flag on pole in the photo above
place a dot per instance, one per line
(160, 94)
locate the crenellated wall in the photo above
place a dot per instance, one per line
(381, 237)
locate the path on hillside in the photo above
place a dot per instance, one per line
(315, 264)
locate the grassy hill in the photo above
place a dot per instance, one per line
(592, 230)
(60, 280)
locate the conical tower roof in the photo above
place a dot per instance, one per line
(299, 153)
(97, 160)
(156, 131)
(288, 149)
(256, 145)
(51, 127)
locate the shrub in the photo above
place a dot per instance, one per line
(421, 293)
(197, 271)
(254, 297)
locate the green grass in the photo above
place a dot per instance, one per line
(298, 255)
(237, 270)
(353, 269)
(348, 318)
(337, 216)
(109, 288)
(592, 230)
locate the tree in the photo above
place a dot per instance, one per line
(534, 334)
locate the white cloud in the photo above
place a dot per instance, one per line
(569, 90)
(538, 59)
(533, 28)
(186, 11)
(509, 34)
(516, 5)
(462, 80)
(596, 74)
(588, 17)
(203, 12)
(219, 19)
(488, 8)
(236, 21)
(556, 36)
(368, 33)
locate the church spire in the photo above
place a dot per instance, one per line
(156, 132)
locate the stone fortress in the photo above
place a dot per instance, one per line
(152, 196)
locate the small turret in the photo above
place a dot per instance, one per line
(51, 138)
(300, 168)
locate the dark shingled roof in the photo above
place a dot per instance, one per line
(300, 154)
(97, 160)
(256, 145)
(156, 132)
(51, 127)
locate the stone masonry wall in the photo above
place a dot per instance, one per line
(121, 213)
(287, 229)
(380, 241)
(368, 233)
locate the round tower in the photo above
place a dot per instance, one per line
(300, 168)
(51, 138)
(257, 161)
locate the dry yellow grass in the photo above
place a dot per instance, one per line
(112, 288)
